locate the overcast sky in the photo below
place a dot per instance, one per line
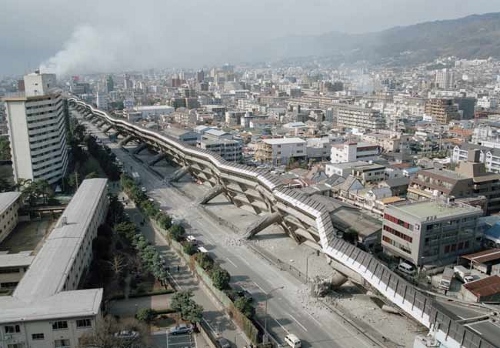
(105, 35)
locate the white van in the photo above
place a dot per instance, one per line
(406, 268)
(293, 341)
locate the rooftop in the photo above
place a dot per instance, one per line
(484, 287)
(282, 141)
(444, 173)
(422, 210)
(483, 256)
(7, 199)
(47, 274)
(16, 260)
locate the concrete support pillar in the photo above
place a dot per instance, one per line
(212, 193)
(139, 148)
(178, 174)
(261, 224)
(157, 159)
(127, 139)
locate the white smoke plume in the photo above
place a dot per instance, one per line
(90, 50)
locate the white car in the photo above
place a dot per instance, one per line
(143, 189)
(127, 334)
(192, 239)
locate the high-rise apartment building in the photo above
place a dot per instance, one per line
(349, 116)
(37, 130)
(442, 110)
(445, 79)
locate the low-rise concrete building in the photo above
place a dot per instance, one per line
(13, 267)
(482, 290)
(350, 152)
(46, 309)
(10, 202)
(431, 232)
(281, 151)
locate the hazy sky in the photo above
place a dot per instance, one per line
(104, 35)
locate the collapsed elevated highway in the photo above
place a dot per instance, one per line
(301, 217)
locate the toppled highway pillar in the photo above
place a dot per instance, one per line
(179, 173)
(211, 194)
(261, 224)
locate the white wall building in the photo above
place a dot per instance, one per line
(349, 116)
(281, 151)
(37, 130)
(46, 310)
(445, 79)
(9, 206)
(13, 267)
(350, 152)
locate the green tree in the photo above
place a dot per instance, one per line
(164, 221)
(180, 299)
(205, 261)
(5, 186)
(126, 229)
(176, 232)
(244, 305)
(220, 278)
(190, 248)
(146, 315)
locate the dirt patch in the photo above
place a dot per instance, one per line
(27, 235)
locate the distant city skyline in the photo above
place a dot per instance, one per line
(101, 37)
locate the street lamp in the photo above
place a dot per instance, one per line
(267, 298)
(307, 265)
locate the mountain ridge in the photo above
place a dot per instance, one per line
(473, 36)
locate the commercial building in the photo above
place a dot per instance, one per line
(349, 116)
(281, 151)
(10, 202)
(46, 309)
(445, 79)
(350, 152)
(37, 130)
(230, 150)
(430, 232)
(470, 179)
(442, 110)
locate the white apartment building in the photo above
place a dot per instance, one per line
(10, 202)
(230, 150)
(350, 152)
(489, 156)
(349, 116)
(445, 79)
(46, 310)
(37, 130)
(281, 151)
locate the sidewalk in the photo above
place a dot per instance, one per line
(213, 314)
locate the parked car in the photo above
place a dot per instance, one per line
(223, 343)
(192, 239)
(180, 329)
(143, 189)
(126, 334)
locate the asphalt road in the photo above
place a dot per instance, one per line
(285, 313)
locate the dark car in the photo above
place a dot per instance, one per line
(223, 343)
(180, 329)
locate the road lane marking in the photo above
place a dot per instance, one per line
(245, 261)
(231, 262)
(276, 320)
(313, 318)
(264, 291)
(298, 322)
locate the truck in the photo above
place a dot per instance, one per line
(446, 279)
(463, 274)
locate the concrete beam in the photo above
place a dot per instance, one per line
(179, 173)
(157, 159)
(261, 224)
(105, 130)
(138, 149)
(102, 123)
(212, 193)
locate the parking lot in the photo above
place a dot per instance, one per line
(180, 341)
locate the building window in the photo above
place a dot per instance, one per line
(15, 345)
(83, 323)
(37, 336)
(62, 343)
(12, 329)
(60, 325)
